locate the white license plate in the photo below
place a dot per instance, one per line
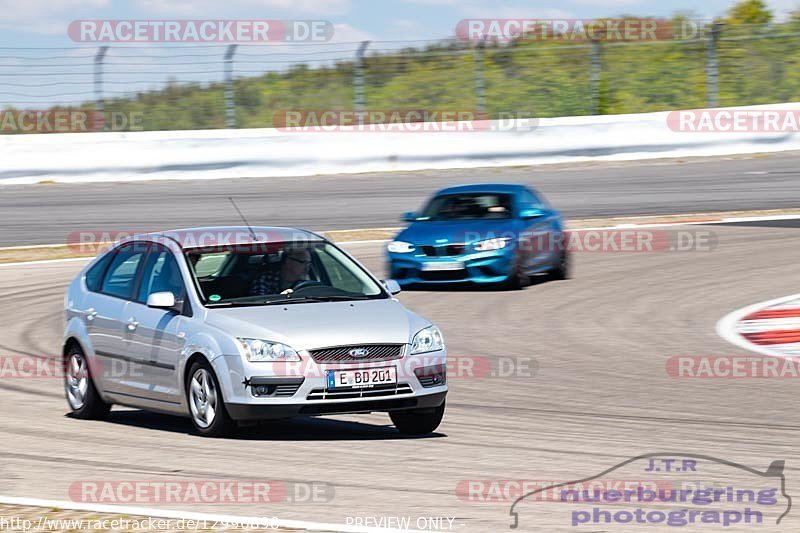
(443, 265)
(363, 378)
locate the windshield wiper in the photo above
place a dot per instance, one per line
(306, 299)
(345, 297)
(233, 304)
(292, 300)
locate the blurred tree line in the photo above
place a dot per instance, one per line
(757, 64)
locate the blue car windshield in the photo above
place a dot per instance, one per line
(468, 206)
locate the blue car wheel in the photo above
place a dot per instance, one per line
(561, 271)
(517, 278)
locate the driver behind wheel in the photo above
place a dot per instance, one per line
(295, 265)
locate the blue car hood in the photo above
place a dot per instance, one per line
(456, 231)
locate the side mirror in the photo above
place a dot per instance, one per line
(161, 300)
(410, 216)
(532, 212)
(392, 286)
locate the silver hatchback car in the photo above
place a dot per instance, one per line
(235, 325)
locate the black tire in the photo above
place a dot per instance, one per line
(418, 421)
(517, 279)
(562, 270)
(221, 423)
(82, 397)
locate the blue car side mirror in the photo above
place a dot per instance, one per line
(410, 216)
(532, 212)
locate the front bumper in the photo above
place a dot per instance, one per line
(249, 412)
(255, 391)
(479, 267)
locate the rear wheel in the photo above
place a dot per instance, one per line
(417, 421)
(82, 396)
(206, 406)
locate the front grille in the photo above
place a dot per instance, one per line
(286, 391)
(447, 250)
(429, 381)
(400, 273)
(432, 376)
(341, 354)
(270, 387)
(443, 275)
(378, 391)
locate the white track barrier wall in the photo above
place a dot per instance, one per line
(212, 154)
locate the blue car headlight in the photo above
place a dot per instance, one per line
(400, 247)
(427, 340)
(492, 244)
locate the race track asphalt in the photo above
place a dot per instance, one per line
(49, 213)
(597, 391)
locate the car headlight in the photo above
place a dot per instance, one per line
(492, 244)
(427, 340)
(257, 350)
(400, 247)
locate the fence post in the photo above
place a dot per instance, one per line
(360, 102)
(230, 104)
(595, 73)
(98, 88)
(712, 65)
(480, 79)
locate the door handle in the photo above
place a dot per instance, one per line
(132, 324)
(91, 313)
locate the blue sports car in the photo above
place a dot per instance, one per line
(488, 233)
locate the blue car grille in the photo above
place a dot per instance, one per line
(445, 275)
(446, 250)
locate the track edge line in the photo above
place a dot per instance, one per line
(191, 515)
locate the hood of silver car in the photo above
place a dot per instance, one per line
(319, 325)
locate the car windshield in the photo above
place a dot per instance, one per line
(263, 274)
(471, 206)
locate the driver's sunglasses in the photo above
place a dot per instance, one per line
(302, 262)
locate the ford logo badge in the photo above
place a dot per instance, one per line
(358, 352)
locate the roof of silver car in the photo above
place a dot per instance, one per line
(234, 235)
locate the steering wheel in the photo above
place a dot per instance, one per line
(303, 283)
